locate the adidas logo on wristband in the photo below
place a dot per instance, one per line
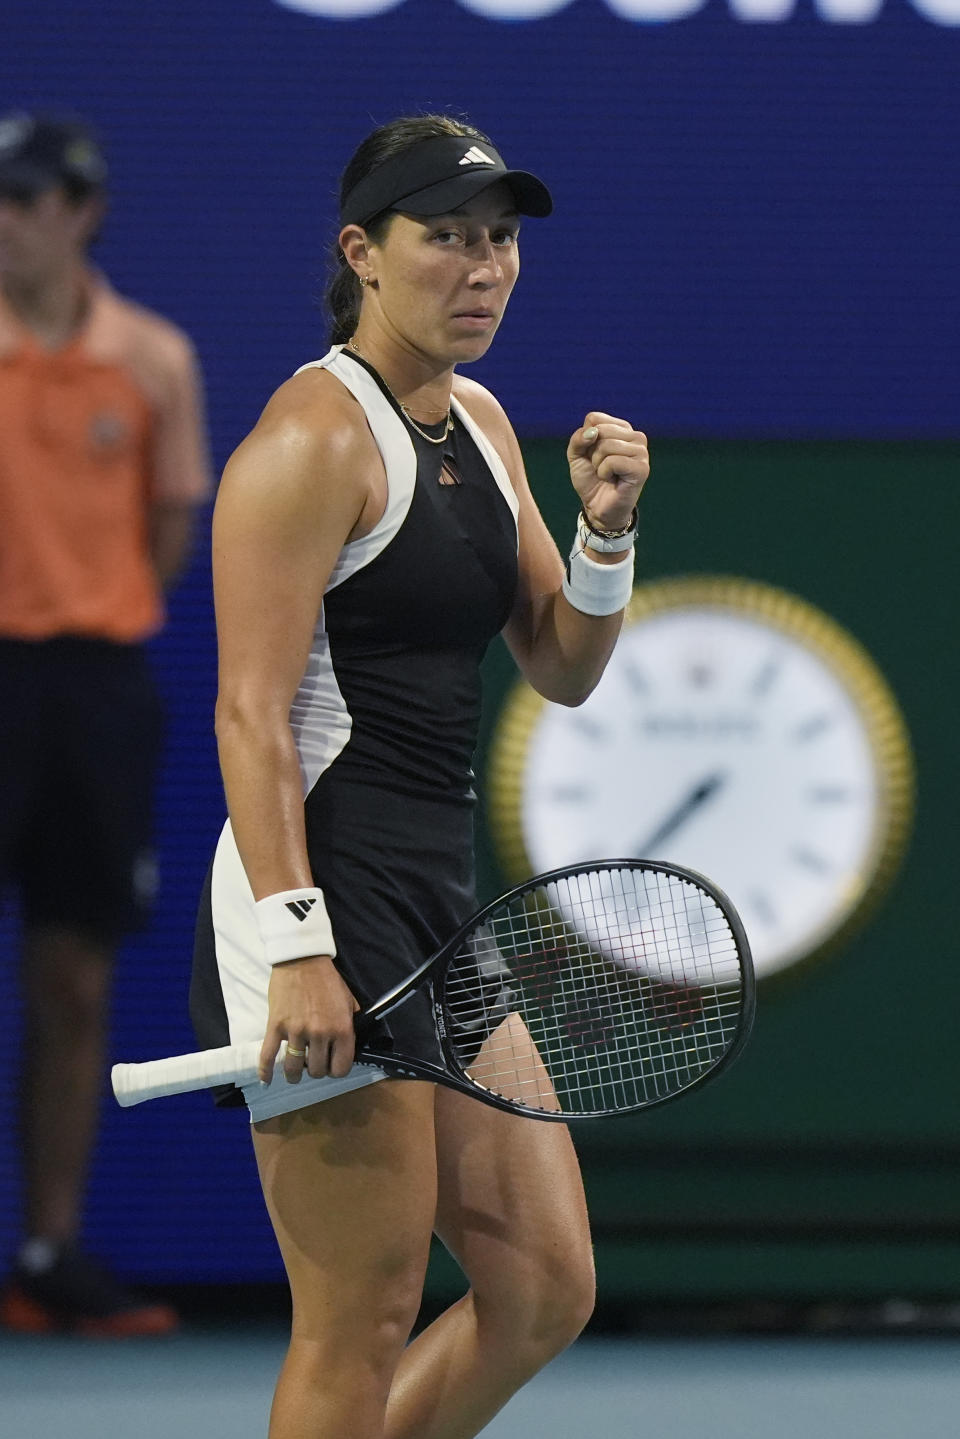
(300, 907)
(294, 924)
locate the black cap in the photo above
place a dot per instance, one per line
(38, 152)
(436, 176)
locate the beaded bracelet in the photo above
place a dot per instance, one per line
(606, 542)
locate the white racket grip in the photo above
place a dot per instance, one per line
(234, 1064)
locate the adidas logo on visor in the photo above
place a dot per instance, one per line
(300, 908)
(475, 156)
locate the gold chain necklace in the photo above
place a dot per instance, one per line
(403, 409)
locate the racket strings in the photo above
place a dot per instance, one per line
(601, 991)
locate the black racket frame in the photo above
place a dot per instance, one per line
(410, 1067)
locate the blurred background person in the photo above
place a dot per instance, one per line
(103, 462)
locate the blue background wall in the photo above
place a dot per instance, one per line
(756, 229)
(756, 239)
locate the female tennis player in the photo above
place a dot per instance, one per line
(372, 534)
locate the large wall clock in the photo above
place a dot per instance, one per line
(738, 731)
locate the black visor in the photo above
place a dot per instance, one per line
(438, 176)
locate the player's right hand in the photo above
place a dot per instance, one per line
(311, 1010)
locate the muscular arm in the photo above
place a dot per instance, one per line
(561, 652)
(289, 499)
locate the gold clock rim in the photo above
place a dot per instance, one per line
(836, 647)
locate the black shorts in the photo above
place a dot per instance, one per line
(81, 732)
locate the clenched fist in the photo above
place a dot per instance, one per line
(609, 464)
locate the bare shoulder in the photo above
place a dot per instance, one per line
(314, 412)
(312, 440)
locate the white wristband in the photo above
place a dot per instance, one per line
(596, 589)
(294, 924)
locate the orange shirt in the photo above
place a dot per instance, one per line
(91, 437)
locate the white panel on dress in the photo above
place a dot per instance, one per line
(319, 717)
(396, 449)
(244, 979)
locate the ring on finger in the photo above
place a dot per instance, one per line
(296, 1053)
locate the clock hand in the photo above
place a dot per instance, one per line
(681, 814)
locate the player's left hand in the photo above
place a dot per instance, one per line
(609, 465)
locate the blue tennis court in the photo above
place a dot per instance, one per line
(217, 1382)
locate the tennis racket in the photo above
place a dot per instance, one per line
(594, 990)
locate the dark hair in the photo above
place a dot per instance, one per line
(343, 293)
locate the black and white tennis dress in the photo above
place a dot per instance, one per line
(385, 723)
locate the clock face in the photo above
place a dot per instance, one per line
(727, 744)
